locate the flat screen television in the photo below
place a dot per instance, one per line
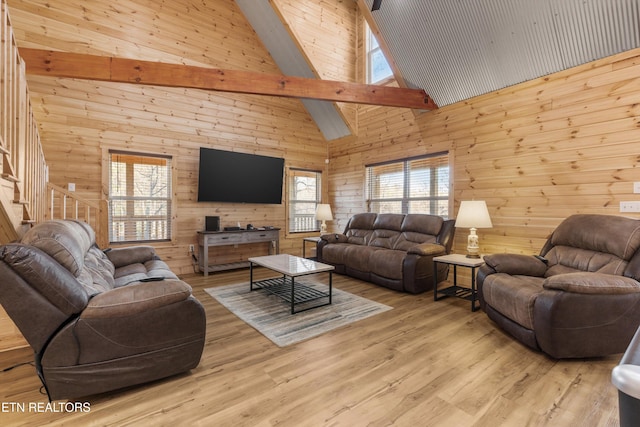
(227, 176)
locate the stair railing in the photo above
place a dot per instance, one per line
(65, 204)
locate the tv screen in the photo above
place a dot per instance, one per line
(227, 176)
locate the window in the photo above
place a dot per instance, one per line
(304, 194)
(378, 68)
(139, 197)
(415, 185)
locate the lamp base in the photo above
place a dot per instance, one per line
(473, 250)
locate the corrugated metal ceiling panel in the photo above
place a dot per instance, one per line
(457, 49)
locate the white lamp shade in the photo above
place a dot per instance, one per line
(473, 214)
(323, 212)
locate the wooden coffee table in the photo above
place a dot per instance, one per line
(285, 286)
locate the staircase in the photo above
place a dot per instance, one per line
(23, 171)
(26, 197)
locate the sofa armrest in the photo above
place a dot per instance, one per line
(427, 249)
(334, 238)
(592, 283)
(131, 255)
(525, 265)
(445, 237)
(136, 298)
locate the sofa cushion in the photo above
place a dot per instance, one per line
(389, 221)
(513, 296)
(620, 237)
(97, 273)
(358, 236)
(408, 239)
(66, 241)
(72, 244)
(136, 298)
(334, 253)
(387, 263)
(44, 274)
(360, 228)
(423, 224)
(362, 220)
(417, 229)
(129, 274)
(565, 259)
(358, 257)
(383, 238)
(159, 268)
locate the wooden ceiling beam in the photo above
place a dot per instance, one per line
(111, 69)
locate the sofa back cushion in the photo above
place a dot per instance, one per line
(417, 229)
(72, 244)
(393, 231)
(594, 243)
(65, 241)
(386, 230)
(360, 228)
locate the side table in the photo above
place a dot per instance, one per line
(470, 294)
(314, 239)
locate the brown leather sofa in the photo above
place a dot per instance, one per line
(391, 250)
(580, 298)
(94, 320)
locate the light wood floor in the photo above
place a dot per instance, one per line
(424, 363)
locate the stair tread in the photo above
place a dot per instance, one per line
(10, 177)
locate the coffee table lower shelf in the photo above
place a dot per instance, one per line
(295, 293)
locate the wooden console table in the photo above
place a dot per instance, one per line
(207, 239)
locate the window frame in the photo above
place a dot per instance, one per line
(291, 202)
(370, 52)
(406, 198)
(170, 199)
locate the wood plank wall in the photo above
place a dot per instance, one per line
(536, 152)
(80, 120)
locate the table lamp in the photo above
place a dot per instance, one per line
(323, 213)
(473, 214)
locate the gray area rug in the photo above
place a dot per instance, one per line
(272, 317)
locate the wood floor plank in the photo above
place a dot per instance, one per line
(423, 363)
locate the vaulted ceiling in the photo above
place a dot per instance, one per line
(458, 49)
(451, 49)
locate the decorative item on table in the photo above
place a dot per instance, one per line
(323, 213)
(473, 214)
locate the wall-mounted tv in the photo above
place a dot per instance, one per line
(227, 176)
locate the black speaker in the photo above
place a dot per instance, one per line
(212, 223)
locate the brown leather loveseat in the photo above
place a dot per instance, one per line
(391, 250)
(97, 321)
(579, 298)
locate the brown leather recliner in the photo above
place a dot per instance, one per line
(97, 322)
(579, 298)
